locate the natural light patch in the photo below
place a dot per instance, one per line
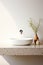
(3, 61)
(8, 27)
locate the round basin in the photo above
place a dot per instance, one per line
(21, 41)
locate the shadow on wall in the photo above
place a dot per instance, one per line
(24, 60)
(16, 12)
(41, 30)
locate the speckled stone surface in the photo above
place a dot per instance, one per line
(21, 50)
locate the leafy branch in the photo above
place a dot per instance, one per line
(35, 29)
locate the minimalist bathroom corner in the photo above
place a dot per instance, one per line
(21, 32)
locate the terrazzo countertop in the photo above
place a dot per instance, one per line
(21, 50)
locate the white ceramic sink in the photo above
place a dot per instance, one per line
(21, 41)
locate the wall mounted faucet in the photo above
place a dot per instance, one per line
(21, 31)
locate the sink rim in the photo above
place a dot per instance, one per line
(21, 38)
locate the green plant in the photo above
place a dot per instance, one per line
(33, 26)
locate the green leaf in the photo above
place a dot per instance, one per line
(35, 29)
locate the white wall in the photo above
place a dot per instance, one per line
(14, 15)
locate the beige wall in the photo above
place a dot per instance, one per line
(21, 60)
(14, 15)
